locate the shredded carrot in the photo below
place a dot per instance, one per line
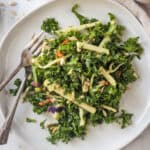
(45, 102)
(41, 104)
(59, 54)
(65, 41)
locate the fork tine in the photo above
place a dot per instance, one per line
(37, 52)
(32, 47)
(37, 44)
(34, 40)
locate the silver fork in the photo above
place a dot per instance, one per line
(32, 49)
(26, 55)
(4, 130)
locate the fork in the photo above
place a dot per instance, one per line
(32, 49)
(4, 130)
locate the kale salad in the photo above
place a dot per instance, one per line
(80, 76)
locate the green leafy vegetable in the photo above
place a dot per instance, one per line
(132, 46)
(82, 19)
(124, 119)
(17, 84)
(30, 120)
(50, 25)
(42, 124)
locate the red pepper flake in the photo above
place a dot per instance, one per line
(59, 54)
(65, 41)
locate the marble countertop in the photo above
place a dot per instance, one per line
(9, 14)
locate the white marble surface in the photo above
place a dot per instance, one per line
(8, 16)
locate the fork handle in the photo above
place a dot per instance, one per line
(4, 131)
(6, 80)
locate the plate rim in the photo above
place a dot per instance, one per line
(4, 37)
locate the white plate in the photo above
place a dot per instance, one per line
(135, 100)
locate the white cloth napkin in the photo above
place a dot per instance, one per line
(139, 11)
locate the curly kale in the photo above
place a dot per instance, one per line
(50, 25)
(17, 84)
(82, 19)
(132, 46)
(30, 120)
(124, 119)
(70, 129)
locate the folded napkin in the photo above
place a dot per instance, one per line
(138, 8)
